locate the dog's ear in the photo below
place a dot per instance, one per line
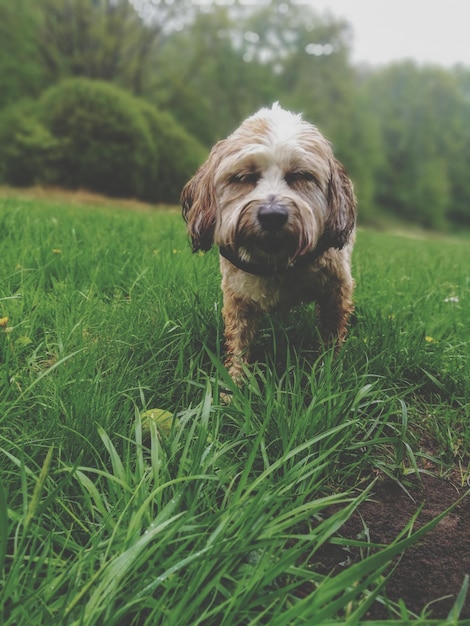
(200, 205)
(341, 216)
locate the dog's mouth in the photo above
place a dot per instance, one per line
(276, 249)
(273, 243)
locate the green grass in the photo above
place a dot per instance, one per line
(218, 521)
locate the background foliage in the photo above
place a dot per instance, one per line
(403, 131)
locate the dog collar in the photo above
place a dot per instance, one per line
(261, 269)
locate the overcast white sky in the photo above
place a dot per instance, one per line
(429, 31)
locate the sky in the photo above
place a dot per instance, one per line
(428, 31)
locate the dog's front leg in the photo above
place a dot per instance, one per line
(240, 319)
(334, 309)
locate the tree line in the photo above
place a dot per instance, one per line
(403, 131)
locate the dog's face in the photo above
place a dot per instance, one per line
(272, 191)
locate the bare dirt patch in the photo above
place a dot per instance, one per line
(430, 573)
(80, 197)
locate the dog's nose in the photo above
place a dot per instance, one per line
(272, 216)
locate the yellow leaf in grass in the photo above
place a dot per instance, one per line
(162, 419)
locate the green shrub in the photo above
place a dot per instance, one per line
(91, 134)
(176, 155)
(104, 139)
(29, 153)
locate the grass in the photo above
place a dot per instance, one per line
(104, 519)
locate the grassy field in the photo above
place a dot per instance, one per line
(213, 517)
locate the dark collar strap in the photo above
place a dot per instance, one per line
(261, 269)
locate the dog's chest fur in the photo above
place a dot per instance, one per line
(278, 292)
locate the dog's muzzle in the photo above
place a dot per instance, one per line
(272, 216)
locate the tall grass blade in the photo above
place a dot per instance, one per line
(3, 528)
(459, 605)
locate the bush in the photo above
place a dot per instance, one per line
(93, 135)
(29, 153)
(105, 141)
(176, 155)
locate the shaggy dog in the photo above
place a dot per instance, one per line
(282, 212)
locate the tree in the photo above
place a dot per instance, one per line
(419, 111)
(21, 73)
(230, 60)
(110, 40)
(202, 77)
(458, 167)
(316, 77)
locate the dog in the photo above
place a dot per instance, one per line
(282, 211)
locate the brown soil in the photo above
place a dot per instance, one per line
(430, 571)
(80, 197)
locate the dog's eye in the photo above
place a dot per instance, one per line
(245, 178)
(299, 176)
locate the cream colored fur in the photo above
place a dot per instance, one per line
(275, 200)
